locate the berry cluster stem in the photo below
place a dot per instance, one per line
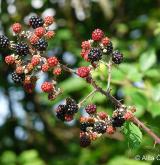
(117, 103)
(109, 74)
(85, 99)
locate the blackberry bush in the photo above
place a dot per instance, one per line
(33, 45)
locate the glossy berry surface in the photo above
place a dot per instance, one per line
(17, 27)
(95, 54)
(36, 22)
(4, 41)
(22, 49)
(18, 79)
(83, 71)
(91, 109)
(117, 57)
(47, 87)
(41, 44)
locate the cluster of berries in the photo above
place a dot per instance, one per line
(29, 56)
(98, 123)
(99, 46)
(66, 112)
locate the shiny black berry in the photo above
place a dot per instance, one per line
(18, 79)
(61, 111)
(117, 121)
(117, 57)
(85, 140)
(108, 49)
(36, 22)
(99, 127)
(4, 41)
(41, 45)
(85, 125)
(95, 54)
(22, 49)
(72, 106)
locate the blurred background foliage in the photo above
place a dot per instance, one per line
(30, 134)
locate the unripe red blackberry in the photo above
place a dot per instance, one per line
(47, 87)
(84, 54)
(86, 45)
(40, 31)
(19, 70)
(102, 115)
(9, 59)
(50, 34)
(83, 71)
(95, 54)
(48, 20)
(99, 127)
(85, 140)
(22, 49)
(105, 41)
(97, 34)
(17, 27)
(33, 39)
(91, 109)
(36, 22)
(29, 87)
(18, 79)
(41, 44)
(68, 117)
(57, 71)
(29, 67)
(128, 115)
(45, 67)
(52, 61)
(117, 57)
(110, 129)
(35, 60)
(4, 41)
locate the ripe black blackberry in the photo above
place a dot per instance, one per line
(117, 121)
(72, 106)
(36, 22)
(61, 111)
(4, 41)
(85, 140)
(99, 127)
(41, 45)
(108, 49)
(18, 79)
(117, 57)
(84, 125)
(95, 54)
(22, 49)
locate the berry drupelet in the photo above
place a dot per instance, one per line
(95, 54)
(41, 45)
(18, 78)
(4, 41)
(117, 57)
(22, 49)
(36, 22)
(97, 34)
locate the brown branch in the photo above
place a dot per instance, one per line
(117, 103)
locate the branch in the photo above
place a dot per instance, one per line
(109, 74)
(117, 103)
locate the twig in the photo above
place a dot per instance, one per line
(85, 99)
(117, 103)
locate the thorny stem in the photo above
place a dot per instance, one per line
(85, 99)
(117, 103)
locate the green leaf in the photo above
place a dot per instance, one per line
(147, 59)
(126, 161)
(133, 135)
(153, 108)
